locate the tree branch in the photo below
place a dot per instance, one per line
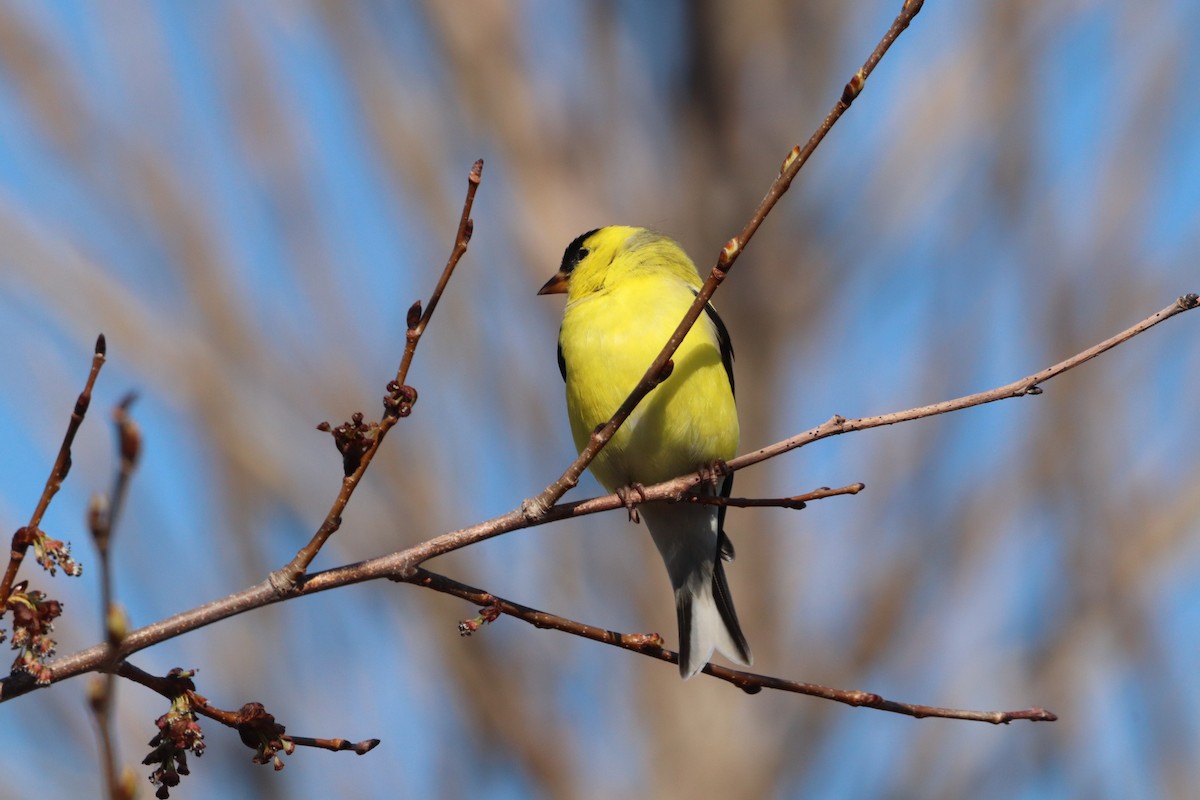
(398, 403)
(1030, 385)
(404, 565)
(103, 514)
(796, 502)
(58, 473)
(651, 645)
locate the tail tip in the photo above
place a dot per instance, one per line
(703, 628)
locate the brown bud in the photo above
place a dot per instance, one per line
(729, 252)
(853, 87)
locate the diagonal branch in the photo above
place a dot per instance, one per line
(397, 404)
(58, 473)
(536, 507)
(749, 682)
(1030, 385)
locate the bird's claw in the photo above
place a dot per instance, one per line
(712, 473)
(626, 493)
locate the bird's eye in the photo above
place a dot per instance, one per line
(576, 252)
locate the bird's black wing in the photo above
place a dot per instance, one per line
(723, 341)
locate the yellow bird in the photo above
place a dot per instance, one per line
(627, 289)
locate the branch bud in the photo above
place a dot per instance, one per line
(129, 435)
(728, 253)
(791, 159)
(853, 87)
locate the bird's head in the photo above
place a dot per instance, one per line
(604, 256)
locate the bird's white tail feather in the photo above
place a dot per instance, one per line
(687, 538)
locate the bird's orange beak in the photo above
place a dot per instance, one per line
(556, 285)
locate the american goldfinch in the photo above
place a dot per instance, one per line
(627, 289)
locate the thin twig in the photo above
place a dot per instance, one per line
(102, 518)
(1030, 385)
(336, 745)
(58, 473)
(749, 682)
(536, 507)
(796, 502)
(401, 396)
(799, 156)
(102, 515)
(256, 726)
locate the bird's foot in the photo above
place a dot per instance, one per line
(626, 493)
(712, 474)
